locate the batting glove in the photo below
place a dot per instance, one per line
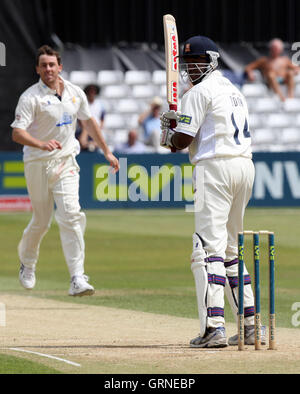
(169, 120)
(166, 137)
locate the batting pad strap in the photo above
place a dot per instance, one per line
(216, 279)
(211, 312)
(214, 259)
(233, 281)
(249, 311)
(230, 263)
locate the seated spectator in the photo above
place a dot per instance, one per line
(277, 69)
(150, 123)
(132, 146)
(98, 111)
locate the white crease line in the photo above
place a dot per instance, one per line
(45, 355)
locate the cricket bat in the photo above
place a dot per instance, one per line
(172, 63)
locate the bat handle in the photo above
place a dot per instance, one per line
(173, 123)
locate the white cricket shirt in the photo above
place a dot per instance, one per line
(215, 113)
(45, 117)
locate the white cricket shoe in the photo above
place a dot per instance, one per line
(249, 338)
(27, 277)
(80, 286)
(213, 338)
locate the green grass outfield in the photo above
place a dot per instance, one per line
(16, 365)
(139, 259)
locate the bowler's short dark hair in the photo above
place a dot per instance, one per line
(46, 50)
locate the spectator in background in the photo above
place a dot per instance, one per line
(132, 146)
(150, 123)
(277, 69)
(98, 111)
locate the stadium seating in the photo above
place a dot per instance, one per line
(266, 105)
(120, 137)
(133, 77)
(115, 92)
(263, 136)
(110, 77)
(163, 91)
(280, 120)
(83, 78)
(254, 90)
(159, 77)
(114, 121)
(290, 136)
(292, 105)
(256, 120)
(297, 90)
(128, 106)
(132, 121)
(297, 121)
(143, 91)
(274, 126)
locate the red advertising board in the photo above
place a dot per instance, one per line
(15, 204)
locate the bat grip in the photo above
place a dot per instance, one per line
(173, 123)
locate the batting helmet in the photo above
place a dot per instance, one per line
(199, 46)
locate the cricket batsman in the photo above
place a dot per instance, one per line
(214, 124)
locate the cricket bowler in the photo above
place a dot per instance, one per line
(45, 123)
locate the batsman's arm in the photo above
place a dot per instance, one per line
(174, 140)
(95, 133)
(170, 138)
(22, 137)
(181, 141)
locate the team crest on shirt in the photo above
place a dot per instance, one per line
(74, 100)
(46, 103)
(187, 48)
(66, 119)
(185, 119)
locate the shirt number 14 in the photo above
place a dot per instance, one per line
(246, 131)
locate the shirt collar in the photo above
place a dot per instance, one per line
(46, 88)
(213, 73)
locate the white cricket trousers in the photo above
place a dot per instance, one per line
(49, 182)
(223, 188)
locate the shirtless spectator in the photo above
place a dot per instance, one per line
(276, 69)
